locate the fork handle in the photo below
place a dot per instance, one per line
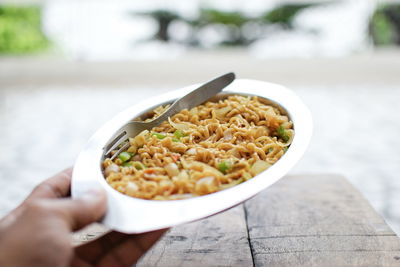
(197, 96)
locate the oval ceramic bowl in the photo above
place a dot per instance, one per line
(132, 215)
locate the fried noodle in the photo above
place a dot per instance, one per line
(209, 148)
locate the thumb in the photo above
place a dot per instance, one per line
(82, 211)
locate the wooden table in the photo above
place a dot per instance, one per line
(307, 220)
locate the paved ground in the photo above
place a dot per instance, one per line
(356, 116)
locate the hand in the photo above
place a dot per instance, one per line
(38, 232)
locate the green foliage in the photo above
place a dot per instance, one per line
(230, 22)
(163, 19)
(163, 15)
(284, 14)
(385, 25)
(232, 25)
(20, 30)
(213, 16)
(381, 29)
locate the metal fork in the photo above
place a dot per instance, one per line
(121, 139)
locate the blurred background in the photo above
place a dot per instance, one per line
(68, 66)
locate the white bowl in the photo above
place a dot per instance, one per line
(133, 215)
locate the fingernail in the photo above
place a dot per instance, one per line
(93, 195)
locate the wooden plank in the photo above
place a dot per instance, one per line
(313, 220)
(318, 220)
(221, 240)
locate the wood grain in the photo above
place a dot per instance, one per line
(318, 220)
(220, 240)
(306, 220)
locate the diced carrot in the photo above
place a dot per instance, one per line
(149, 171)
(175, 157)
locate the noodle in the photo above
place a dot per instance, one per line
(209, 148)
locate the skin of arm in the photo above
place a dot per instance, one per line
(38, 231)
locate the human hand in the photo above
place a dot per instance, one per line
(38, 232)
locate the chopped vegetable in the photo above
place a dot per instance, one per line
(283, 134)
(206, 185)
(178, 134)
(191, 151)
(175, 140)
(259, 166)
(125, 156)
(141, 138)
(127, 164)
(138, 165)
(172, 169)
(224, 166)
(112, 168)
(179, 126)
(175, 156)
(131, 189)
(159, 135)
(150, 171)
(183, 175)
(228, 135)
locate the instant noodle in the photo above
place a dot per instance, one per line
(209, 148)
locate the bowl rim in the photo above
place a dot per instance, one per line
(133, 215)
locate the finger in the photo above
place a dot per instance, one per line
(78, 213)
(131, 249)
(55, 187)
